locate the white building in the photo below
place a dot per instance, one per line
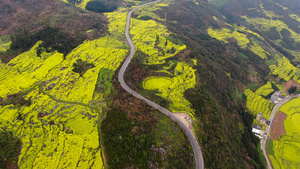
(257, 132)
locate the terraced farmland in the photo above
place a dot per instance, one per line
(255, 103)
(267, 24)
(4, 43)
(285, 70)
(153, 39)
(281, 66)
(286, 149)
(265, 90)
(239, 34)
(80, 4)
(58, 125)
(150, 37)
(224, 34)
(173, 88)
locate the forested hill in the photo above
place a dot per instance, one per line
(214, 63)
(238, 44)
(61, 26)
(18, 15)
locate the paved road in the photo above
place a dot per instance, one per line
(196, 148)
(268, 128)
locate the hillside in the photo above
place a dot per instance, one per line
(37, 39)
(258, 45)
(23, 23)
(233, 50)
(213, 63)
(35, 15)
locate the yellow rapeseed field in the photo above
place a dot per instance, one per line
(151, 37)
(265, 89)
(59, 129)
(287, 148)
(172, 89)
(255, 103)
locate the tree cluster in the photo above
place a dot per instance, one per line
(52, 39)
(101, 6)
(125, 145)
(81, 67)
(292, 89)
(10, 147)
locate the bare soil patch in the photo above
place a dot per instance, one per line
(289, 84)
(278, 127)
(184, 118)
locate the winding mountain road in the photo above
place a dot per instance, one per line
(196, 148)
(268, 128)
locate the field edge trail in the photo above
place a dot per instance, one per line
(195, 145)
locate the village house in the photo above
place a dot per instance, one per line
(276, 97)
(260, 119)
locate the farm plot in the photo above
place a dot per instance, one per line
(239, 34)
(265, 90)
(289, 84)
(285, 70)
(277, 126)
(50, 137)
(4, 43)
(280, 26)
(287, 148)
(281, 66)
(150, 37)
(225, 34)
(172, 89)
(153, 39)
(58, 126)
(267, 24)
(255, 103)
(80, 4)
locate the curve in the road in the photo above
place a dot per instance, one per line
(196, 148)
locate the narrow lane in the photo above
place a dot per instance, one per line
(268, 128)
(195, 145)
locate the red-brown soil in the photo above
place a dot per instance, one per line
(289, 84)
(278, 127)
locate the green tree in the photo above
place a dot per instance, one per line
(9, 148)
(292, 89)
